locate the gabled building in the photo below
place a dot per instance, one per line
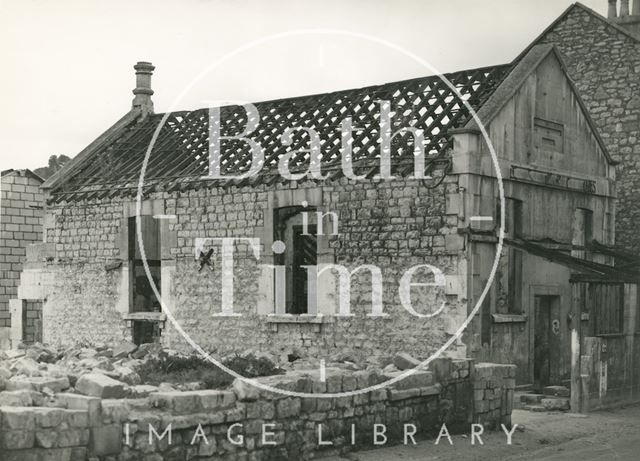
(404, 246)
(602, 57)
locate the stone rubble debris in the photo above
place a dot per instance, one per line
(37, 375)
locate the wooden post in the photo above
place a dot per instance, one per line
(630, 319)
(613, 10)
(576, 381)
(624, 7)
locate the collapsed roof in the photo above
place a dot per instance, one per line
(180, 154)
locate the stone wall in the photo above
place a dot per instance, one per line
(246, 423)
(393, 225)
(605, 65)
(20, 225)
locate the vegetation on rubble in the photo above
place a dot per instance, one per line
(179, 369)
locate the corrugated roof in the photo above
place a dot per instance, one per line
(180, 156)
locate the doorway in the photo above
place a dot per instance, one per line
(142, 298)
(32, 322)
(547, 351)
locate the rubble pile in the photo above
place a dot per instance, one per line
(32, 376)
(35, 374)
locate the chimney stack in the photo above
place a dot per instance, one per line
(627, 19)
(613, 11)
(624, 8)
(143, 91)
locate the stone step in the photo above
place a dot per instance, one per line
(556, 404)
(556, 391)
(524, 387)
(531, 398)
(535, 408)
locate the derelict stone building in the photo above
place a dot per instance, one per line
(559, 294)
(558, 185)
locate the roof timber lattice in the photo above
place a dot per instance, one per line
(180, 155)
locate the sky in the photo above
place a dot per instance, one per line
(67, 71)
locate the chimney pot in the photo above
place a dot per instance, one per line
(613, 11)
(624, 7)
(143, 91)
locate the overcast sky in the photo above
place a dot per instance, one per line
(67, 65)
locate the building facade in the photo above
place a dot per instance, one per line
(602, 56)
(105, 253)
(21, 211)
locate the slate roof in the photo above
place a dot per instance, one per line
(180, 155)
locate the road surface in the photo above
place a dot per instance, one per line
(604, 435)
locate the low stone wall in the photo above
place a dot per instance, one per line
(249, 423)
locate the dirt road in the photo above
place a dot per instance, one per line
(606, 435)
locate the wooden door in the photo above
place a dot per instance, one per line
(547, 346)
(541, 343)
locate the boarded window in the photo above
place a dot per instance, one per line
(548, 136)
(606, 307)
(301, 250)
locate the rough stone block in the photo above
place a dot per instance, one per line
(17, 439)
(413, 380)
(404, 361)
(180, 402)
(431, 390)
(4, 373)
(124, 349)
(442, 369)
(106, 440)
(349, 383)
(20, 418)
(454, 242)
(92, 405)
(99, 385)
(395, 394)
(379, 395)
(334, 382)
(114, 410)
(556, 404)
(141, 390)
(212, 400)
(48, 417)
(245, 391)
(556, 391)
(289, 407)
(127, 375)
(15, 399)
(37, 383)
